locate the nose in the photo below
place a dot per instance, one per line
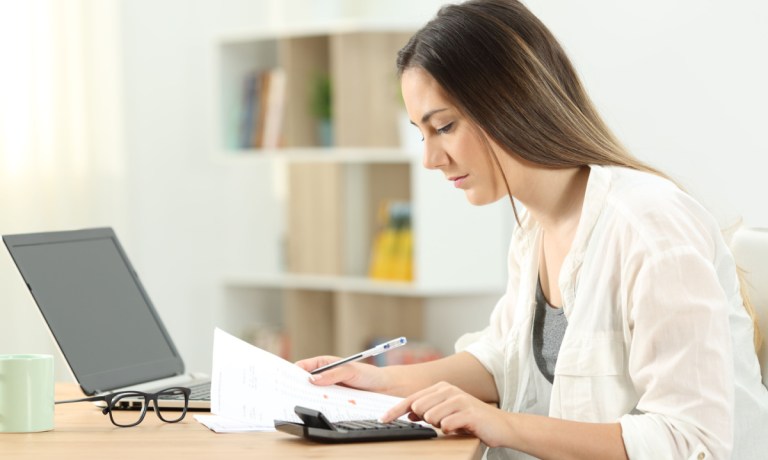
(434, 156)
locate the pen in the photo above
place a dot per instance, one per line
(377, 350)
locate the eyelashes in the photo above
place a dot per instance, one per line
(443, 130)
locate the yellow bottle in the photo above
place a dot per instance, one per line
(402, 264)
(379, 266)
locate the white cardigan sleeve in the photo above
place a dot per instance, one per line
(680, 359)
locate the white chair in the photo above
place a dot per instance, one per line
(750, 249)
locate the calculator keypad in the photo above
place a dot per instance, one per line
(354, 425)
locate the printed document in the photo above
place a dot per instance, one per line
(255, 387)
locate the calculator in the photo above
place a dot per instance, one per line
(316, 427)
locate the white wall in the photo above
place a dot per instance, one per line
(682, 83)
(193, 219)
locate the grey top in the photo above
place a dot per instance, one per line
(549, 325)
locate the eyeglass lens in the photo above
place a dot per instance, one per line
(129, 408)
(168, 404)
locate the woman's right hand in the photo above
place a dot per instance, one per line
(354, 375)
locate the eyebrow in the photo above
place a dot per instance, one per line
(429, 114)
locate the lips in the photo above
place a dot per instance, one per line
(458, 180)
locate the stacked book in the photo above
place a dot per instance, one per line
(261, 119)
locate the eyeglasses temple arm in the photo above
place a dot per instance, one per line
(91, 399)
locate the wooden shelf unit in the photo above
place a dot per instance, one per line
(321, 295)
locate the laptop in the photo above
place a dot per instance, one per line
(100, 314)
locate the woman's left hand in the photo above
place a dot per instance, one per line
(454, 412)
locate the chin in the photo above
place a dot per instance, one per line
(479, 200)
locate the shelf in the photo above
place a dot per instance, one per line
(332, 197)
(345, 155)
(352, 284)
(336, 27)
(353, 59)
(340, 315)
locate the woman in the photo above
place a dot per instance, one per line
(622, 333)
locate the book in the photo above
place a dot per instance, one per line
(275, 107)
(263, 107)
(251, 94)
(260, 109)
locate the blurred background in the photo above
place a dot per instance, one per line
(130, 114)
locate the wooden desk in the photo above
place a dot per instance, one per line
(82, 432)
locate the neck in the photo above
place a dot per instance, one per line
(556, 198)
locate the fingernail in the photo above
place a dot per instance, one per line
(314, 378)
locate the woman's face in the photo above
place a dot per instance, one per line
(452, 143)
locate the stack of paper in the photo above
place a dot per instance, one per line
(251, 388)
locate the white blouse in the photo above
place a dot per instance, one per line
(658, 338)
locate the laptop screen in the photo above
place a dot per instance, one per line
(95, 307)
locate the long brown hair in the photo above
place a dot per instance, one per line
(506, 71)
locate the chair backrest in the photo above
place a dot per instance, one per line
(750, 249)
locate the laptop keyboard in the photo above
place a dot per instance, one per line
(201, 391)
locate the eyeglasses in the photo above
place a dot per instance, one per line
(122, 410)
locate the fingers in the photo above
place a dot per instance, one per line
(400, 409)
(436, 406)
(453, 411)
(344, 374)
(341, 374)
(311, 364)
(441, 405)
(420, 402)
(454, 424)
